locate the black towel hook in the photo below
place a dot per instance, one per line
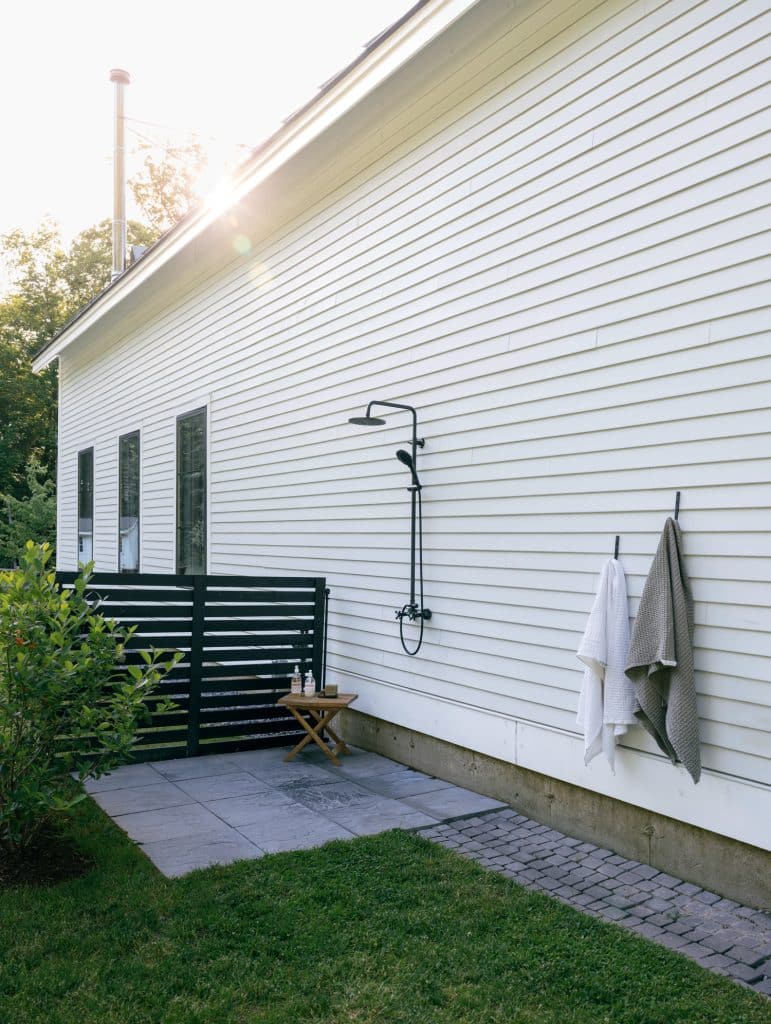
(615, 552)
(677, 506)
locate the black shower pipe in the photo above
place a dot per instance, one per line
(411, 610)
(416, 442)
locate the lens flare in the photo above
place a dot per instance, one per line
(262, 277)
(242, 245)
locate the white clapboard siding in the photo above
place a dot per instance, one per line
(556, 243)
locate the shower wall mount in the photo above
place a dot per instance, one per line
(411, 610)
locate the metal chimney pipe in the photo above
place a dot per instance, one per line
(119, 241)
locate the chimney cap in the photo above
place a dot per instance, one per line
(119, 75)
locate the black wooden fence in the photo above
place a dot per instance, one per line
(240, 637)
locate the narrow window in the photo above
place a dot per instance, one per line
(128, 503)
(191, 492)
(86, 505)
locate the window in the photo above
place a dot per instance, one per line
(86, 505)
(191, 492)
(128, 502)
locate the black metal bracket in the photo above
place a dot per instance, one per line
(677, 506)
(615, 551)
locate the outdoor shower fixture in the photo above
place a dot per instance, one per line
(411, 610)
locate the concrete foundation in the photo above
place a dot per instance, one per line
(723, 865)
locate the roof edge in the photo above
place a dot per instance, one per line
(380, 59)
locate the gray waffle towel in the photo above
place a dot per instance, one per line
(660, 662)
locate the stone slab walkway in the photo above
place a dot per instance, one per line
(195, 812)
(718, 933)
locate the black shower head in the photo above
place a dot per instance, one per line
(406, 458)
(367, 421)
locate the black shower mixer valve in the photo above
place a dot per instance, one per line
(412, 612)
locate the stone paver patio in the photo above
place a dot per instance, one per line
(193, 813)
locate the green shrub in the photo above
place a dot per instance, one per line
(63, 690)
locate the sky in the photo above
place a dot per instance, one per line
(229, 71)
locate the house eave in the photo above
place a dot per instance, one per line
(383, 57)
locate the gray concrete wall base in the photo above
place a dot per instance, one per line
(723, 865)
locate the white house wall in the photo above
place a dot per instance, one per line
(558, 251)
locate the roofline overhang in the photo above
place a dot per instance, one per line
(380, 59)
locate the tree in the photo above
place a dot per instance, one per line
(30, 518)
(48, 285)
(33, 310)
(165, 189)
(88, 265)
(27, 418)
(34, 307)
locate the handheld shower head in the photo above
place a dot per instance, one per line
(406, 459)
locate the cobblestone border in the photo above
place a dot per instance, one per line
(717, 933)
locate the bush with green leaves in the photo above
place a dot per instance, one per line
(64, 689)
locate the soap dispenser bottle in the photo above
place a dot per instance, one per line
(310, 684)
(297, 682)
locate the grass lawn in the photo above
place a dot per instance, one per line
(387, 929)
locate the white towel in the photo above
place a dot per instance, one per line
(607, 703)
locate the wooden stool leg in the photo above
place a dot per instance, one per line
(340, 745)
(304, 741)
